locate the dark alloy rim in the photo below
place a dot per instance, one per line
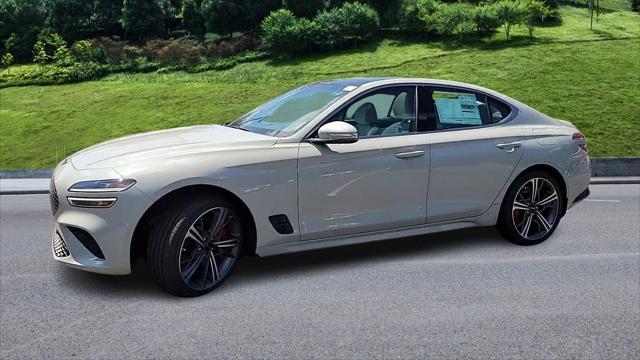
(535, 208)
(210, 248)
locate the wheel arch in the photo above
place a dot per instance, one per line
(557, 176)
(141, 232)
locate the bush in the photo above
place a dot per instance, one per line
(447, 19)
(178, 51)
(230, 47)
(107, 50)
(49, 47)
(358, 20)
(83, 51)
(284, 33)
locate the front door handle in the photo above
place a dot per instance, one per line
(509, 147)
(409, 154)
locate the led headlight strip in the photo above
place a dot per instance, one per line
(91, 202)
(109, 185)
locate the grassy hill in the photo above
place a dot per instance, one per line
(590, 78)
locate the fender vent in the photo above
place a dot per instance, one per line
(87, 241)
(281, 223)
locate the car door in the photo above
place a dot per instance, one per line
(377, 183)
(475, 147)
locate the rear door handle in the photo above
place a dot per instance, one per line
(509, 147)
(409, 154)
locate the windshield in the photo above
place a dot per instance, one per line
(287, 113)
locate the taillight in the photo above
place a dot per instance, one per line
(582, 141)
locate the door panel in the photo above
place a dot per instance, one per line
(374, 184)
(469, 168)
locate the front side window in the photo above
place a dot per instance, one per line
(384, 112)
(287, 113)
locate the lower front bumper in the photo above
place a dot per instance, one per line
(69, 250)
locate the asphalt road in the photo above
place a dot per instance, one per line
(454, 295)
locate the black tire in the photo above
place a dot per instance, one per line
(168, 239)
(510, 224)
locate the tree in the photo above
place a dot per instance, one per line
(635, 5)
(70, 17)
(20, 23)
(192, 19)
(533, 12)
(225, 17)
(142, 18)
(594, 8)
(510, 14)
(304, 8)
(107, 15)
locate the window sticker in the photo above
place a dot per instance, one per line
(457, 108)
(349, 88)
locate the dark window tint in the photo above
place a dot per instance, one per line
(459, 109)
(498, 111)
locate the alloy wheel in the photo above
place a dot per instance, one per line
(210, 248)
(535, 208)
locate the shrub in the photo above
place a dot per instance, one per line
(447, 19)
(358, 20)
(230, 47)
(46, 48)
(178, 51)
(131, 53)
(284, 33)
(6, 61)
(63, 56)
(83, 51)
(107, 50)
(330, 27)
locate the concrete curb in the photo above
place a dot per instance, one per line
(623, 166)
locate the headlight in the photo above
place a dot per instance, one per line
(110, 185)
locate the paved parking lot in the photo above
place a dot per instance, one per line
(454, 295)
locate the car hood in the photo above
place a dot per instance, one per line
(165, 144)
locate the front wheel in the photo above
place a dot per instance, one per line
(531, 209)
(194, 247)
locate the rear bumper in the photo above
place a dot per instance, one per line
(583, 195)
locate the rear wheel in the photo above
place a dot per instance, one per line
(531, 209)
(194, 247)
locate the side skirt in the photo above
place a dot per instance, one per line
(489, 218)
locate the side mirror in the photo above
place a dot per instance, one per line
(336, 132)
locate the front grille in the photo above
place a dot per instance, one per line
(88, 241)
(53, 196)
(59, 247)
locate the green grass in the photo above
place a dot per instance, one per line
(588, 78)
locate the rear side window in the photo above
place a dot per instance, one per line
(459, 109)
(498, 110)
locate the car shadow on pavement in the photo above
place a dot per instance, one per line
(253, 270)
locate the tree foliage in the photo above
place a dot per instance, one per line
(107, 15)
(70, 18)
(142, 18)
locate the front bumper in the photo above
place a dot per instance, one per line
(95, 239)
